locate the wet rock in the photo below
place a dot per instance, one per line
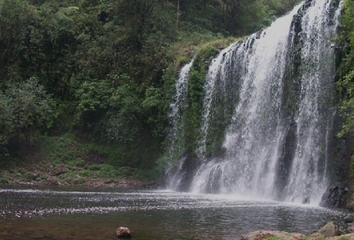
(51, 182)
(60, 170)
(3, 181)
(343, 228)
(34, 176)
(27, 183)
(251, 43)
(258, 34)
(123, 232)
(335, 196)
(329, 230)
(348, 219)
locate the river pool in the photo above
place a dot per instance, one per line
(73, 213)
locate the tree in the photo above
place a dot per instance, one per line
(17, 20)
(242, 16)
(6, 119)
(137, 18)
(31, 107)
(346, 82)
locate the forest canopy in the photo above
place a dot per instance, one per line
(102, 72)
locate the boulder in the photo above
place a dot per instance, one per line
(263, 235)
(348, 219)
(51, 182)
(335, 196)
(123, 232)
(109, 181)
(34, 176)
(59, 170)
(329, 230)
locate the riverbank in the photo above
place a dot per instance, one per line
(330, 231)
(275, 235)
(76, 173)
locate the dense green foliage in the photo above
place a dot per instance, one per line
(346, 70)
(345, 84)
(104, 70)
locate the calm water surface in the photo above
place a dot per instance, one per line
(95, 214)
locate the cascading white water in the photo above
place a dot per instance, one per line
(176, 117)
(254, 137)
(318, 72)
(216, 70)
(280, 86)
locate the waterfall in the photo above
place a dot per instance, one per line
(307, 178)
(275, 93)
(176, 134)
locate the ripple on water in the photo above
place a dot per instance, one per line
(150, 213)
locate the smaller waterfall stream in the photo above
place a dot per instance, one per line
(176, 134)
(217, 70)
(276, 91)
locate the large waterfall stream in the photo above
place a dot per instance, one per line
(279, 84)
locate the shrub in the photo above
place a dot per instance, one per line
(5, 178)
(79, 180)
(126, 171)
(104, 170)
(86, 173)
(77, 162)
(44, 177)
(148, 174)
(27, 176)
(15, 172)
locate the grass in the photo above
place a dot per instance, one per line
(5, 178)
(44, 177)
(274, 238)
(344, 238)
(104, 170)
(194, 42)
(79, 162)
(27, 176)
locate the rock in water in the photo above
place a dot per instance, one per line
(123, 232)
(329, 230)
(349, 219)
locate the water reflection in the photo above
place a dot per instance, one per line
(78, 214)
